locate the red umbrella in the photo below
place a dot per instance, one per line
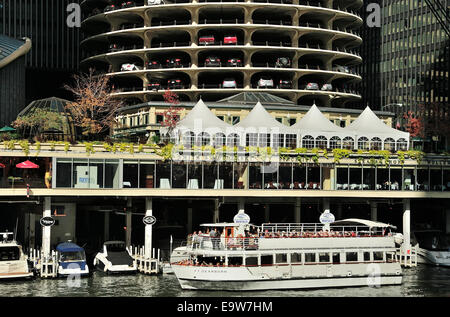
(2, 165)
(27, 164)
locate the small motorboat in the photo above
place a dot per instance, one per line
(71, 260)
(432, 247)
(115, 258)
(13, 262)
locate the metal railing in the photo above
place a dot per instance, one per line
(315, 230)
(205, 242)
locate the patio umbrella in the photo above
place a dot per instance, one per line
(2, 165)
(7, 129)
(27, 164)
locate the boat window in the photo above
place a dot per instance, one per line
(336, 257)
(266, 259)
(251, 260)
(351, 256)
(9, 253)
(324, 257)
(235, 261)
(390, 257)
(296, 258)
(281, 258)
(378, 256)
(73, 256)
(366, 256)
(310, 257)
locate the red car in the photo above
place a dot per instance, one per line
(206, 40)
(230, 39)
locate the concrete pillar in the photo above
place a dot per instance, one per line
(267, 213)
(216, 211)
(297, 210)
(339, 212)
(241, 205)
(373, 211)
(447, 216)
(106, 226)
(406, 223)
(32, 232)
(46, 230)
(326, 205)
(128, 223)
(148, 228)
(189, 216)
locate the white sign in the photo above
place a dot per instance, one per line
(241, 218)
(326, 217)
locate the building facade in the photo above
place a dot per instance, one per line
(303, 51)
(55, 51)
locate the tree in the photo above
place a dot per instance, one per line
(94, 109)
(37, 121)
(172, 114)
(413, 125)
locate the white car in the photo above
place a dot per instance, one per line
(229, 83)
(115, 258)
(154, 2)
(128, 67)
(326, 87)
(264, 82)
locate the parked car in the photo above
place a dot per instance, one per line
(206, 40)
(283, 62)
(234, 62)
(265, 82)
(111, 7)
(230, 39)
(174, 84)
(173, 63)
(285, 84)
(128, 4)
(311, 86)
(327, 87)
(229, 83)
(212, 61)
(154, 2)
(154, 85)
(129, 67)
(342, 69)
(114, 48)
(153, 64)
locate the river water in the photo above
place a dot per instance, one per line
(422, 280)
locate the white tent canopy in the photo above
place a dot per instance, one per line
(314, 123)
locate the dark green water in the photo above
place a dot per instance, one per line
(420, 281)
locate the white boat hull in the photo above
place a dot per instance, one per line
(15, 269)
(284, 277)
(439, 258)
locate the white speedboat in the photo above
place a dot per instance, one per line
(115, 258)
(432, 247)
(71, 260)
(13, 262)
(290, 256)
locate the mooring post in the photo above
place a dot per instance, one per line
(148, 228)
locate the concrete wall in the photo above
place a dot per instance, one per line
(65, 229)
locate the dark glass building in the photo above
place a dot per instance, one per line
(55, 46)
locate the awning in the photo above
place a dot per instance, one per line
(68, 247)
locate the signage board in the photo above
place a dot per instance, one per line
(47, 221)
(149, 220)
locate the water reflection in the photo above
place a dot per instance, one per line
(420, 281)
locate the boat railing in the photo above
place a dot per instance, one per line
(289, 230)
(205, 242)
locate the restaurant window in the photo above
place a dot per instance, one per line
(130, 174)
(348, 143)
(159, 118)
(335, 143)
(308, 142)
(363, 143)
(366, 256)
(375, 144)
(324, 257)
(251, 139)
(96, 173)
(389, 144)
(336, 257)
(321, 142)
(112, 174)
(291, 141)
(163, 174)
(178, 175)
(63, 172)
(80, 173)
(146, 174)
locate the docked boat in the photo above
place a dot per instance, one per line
(13, 262)
(432, 247)
(71, 260)
(115, 258)
(245, 257)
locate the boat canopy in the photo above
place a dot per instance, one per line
(68, 247)
(364, 222)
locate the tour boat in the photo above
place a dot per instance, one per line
(115, 258)
(432, 247)
(13, 262)
(351, 252)
(71, 260)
